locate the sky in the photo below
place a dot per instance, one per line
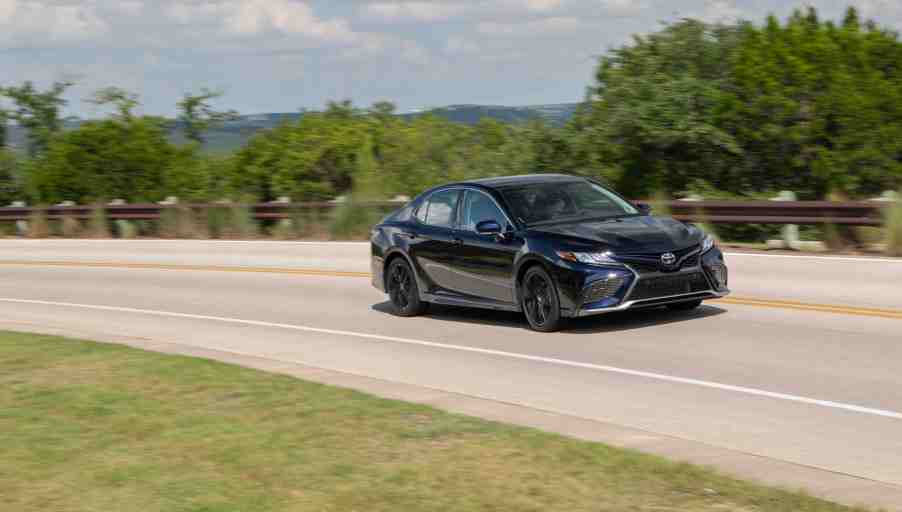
(286, 55)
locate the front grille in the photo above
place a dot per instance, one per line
(644, 268)
(666, 286)
(650, 263)
(602, 289)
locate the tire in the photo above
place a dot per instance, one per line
(684, 306)
(403, 293)
(539, 301)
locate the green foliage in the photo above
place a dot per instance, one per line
(123, 101)
(817, 107)
(38, 112)
(242, 224)
(655, 121)
(894, 227)
(122, 159)
(10, 188)
(197, 115)
(804, 105)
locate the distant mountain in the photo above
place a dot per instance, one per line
(471, 114)
(235, 134)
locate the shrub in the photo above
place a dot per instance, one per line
(38, 226)
(98, 225)
(894, 228)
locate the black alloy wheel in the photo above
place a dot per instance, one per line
(540, 302)
(402, 289)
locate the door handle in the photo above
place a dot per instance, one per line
(457, 241)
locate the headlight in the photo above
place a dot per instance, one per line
(590, 258)
(708, 243)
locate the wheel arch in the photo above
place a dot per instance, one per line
(390, 257)
(526, 263)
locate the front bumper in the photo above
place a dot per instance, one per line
(706, 279)
(660, 301)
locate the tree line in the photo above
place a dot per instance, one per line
(723, 110)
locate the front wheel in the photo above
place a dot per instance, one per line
(539, 300)
(403, 291)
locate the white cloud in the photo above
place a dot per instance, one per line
(545, 26)
(427, 11)
(129, 7)
(457, 45)
(38, 22)
(260, 17)
(7, 9)
(541, 5)
(725, 11)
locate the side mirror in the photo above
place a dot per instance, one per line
(644, 208)
(488, 227)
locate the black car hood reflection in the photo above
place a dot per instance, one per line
(641, 234)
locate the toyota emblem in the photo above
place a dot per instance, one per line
(668, 258)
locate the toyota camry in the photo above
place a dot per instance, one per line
(550, 246)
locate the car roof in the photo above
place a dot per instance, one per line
(525, 179)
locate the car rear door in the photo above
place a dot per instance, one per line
(432, 245)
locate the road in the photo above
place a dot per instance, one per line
(795, 380)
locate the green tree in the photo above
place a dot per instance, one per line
(10, 189)
(196, 115)
(4, 127)
(653, 122)
(123, 101)
(38, 112)
(818, 108)
(117, 158)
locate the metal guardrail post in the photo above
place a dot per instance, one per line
(124, 228)
(790, 232)
(21, 225)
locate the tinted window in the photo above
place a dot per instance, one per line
(560, 202)
(421, 210)
(440, 208)
(478, 207)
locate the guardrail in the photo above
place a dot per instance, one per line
(858, 213)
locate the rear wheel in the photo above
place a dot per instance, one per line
(539, 300)
(402, 289)
(684, 306)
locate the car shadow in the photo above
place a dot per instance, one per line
(612, 322)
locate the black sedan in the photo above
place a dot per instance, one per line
(551, 246)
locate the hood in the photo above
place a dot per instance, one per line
(640, 234)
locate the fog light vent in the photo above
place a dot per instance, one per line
(719, 274)
(602, 289)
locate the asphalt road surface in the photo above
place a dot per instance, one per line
(795, 380)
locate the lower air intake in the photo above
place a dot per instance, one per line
(603, 289)
(667, 286)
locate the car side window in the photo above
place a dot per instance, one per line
(422, 208)
(478, 207)
(440, 208)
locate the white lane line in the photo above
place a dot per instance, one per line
(499, 353)
(806, 257)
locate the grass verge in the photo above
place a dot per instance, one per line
(88, 426)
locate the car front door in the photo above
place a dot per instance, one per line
(485, 263)
(433, 245)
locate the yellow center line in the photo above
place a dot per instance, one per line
(895, 314)
(206, 268)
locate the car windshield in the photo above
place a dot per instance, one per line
(547, 203)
